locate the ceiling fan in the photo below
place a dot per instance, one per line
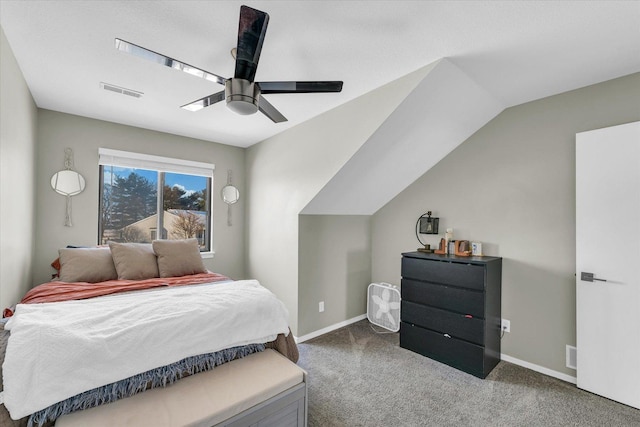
(243, 95)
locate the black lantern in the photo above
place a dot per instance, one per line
(426, 224)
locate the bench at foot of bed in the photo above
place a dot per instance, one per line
(263, 389)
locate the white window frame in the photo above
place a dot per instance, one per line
(128, 159)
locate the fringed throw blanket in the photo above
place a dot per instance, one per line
(59, 350)
(159, 377)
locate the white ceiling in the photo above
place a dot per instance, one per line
(518, 51)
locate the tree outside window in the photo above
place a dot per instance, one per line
(129, 201)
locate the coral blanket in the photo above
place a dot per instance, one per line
(57, 350)
(67, 291)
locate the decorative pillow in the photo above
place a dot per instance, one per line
(134, 261)
(178, 257)
(86, 265)
(56, 262)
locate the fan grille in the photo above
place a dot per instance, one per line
(383, 306)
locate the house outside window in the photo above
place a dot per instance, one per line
(141, 194)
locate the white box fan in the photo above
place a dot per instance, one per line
(383, 306)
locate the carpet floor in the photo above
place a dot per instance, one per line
(360, 378)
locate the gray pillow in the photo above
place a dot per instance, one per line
(86, 265)
(134, 261)
(178, 257)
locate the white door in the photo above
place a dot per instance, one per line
(608, 246)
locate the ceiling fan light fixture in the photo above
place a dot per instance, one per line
(242, 96)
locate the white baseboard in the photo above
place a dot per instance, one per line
(538, 368)
(329, 328)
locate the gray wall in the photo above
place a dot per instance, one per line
(511, 186)
(84, 136)
(335, 267)
(18, 115)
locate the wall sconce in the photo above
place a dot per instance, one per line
(230, 195)
(68, 183)
(426, 224)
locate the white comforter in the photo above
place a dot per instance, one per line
(58, 350)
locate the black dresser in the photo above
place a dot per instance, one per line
(451, 309)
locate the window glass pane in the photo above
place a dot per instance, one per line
(128, 211)
(186, 207)
(129, 199)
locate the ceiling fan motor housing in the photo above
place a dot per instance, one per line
(242, 96)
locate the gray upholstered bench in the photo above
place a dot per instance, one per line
(264, 389)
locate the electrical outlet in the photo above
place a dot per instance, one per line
(506, 325)
(321, 306)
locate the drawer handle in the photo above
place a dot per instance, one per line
(447, 335)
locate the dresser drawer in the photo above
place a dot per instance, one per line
(454, 324)
(443, 272)
(453, 352)
(450, 298)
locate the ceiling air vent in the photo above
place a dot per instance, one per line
(122, 90)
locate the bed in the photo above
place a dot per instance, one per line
(123, 319)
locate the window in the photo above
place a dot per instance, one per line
(144, 198)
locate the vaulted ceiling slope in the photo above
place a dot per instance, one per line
(445, 109)
(516, 50)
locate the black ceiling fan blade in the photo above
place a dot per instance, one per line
(300, 87)
(251, 31)
(204, 102)
(270, 111)
(156, 57)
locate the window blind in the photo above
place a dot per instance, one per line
(128, 159)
